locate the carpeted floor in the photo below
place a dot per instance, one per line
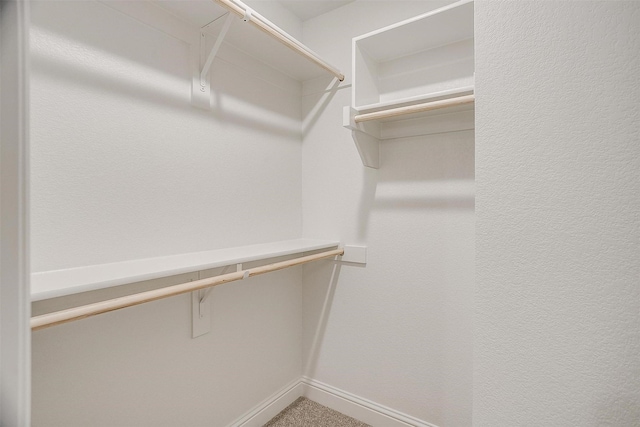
(307, 413)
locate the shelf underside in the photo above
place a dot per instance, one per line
(243, 36)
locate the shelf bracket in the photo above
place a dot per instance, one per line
(200, 313)
(201, 86)
(366, 137)
(201, 308)
(205, 293)
(207, 64)
(354, 254)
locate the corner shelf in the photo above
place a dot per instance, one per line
(427, 62)
(58, 283)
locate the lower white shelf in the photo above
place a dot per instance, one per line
(58, 283)
(407, 119)
(426, 97)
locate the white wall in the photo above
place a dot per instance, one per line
(140, 367)
(124, 167)
(398, 332)
(279, 15)
(558, 214)
(119, 157)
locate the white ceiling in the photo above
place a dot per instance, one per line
(307, 9)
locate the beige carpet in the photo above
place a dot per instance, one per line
(307, 413)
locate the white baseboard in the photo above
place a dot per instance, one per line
(349, 404)
(270, 407)
(356, 407)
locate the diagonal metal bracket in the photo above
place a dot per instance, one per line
(366, 136)
(214, 51)
(201, 307)
(201, 88)
(206, 292)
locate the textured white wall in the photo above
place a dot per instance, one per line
(140, 367)
(279, 15)
(124, 167)
(558, 214)
(398, 332)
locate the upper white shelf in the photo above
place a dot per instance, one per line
(425, 57)
(437, 28)
(259, 38)
(415, 77)
(52, 284)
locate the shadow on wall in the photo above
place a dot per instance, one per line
(176, 97)
(155, 94)
(321, 288)
(429, 172)
(324, 98)
(142, 64)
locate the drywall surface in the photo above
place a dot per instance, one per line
(140, 367)
(397, 332)
(558, 214)
(279, 15)
(124, 167)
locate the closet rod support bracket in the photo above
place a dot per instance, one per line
(214, 50)
(366, 137)
(248, 14)
(200, 312)
(201, 61)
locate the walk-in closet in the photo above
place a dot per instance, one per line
(226, 213)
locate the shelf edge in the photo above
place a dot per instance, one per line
(448, 93)
(115, 278)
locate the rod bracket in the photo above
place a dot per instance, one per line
(366, 137)
(201, 86)
(248, 15)
(354, 254)
(200, 312)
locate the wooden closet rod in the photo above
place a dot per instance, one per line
(268, 27)
(418, 108)
(77, 313)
